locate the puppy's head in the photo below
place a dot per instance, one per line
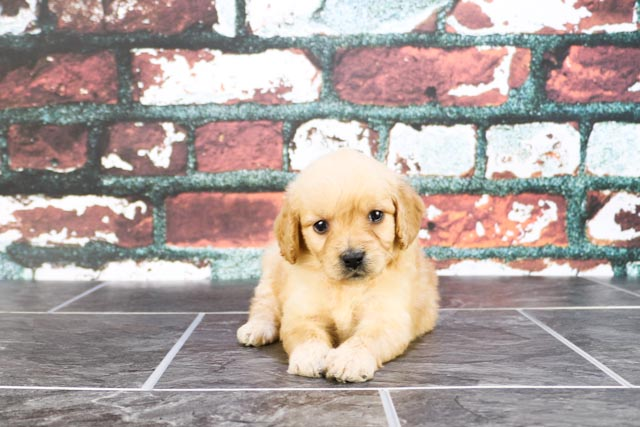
(349, 215)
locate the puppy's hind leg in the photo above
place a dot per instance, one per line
(264, 318)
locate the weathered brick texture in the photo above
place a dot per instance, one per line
(614, 149)
(321, 136)
(249, 145)
(429, 150)
(145, 149)
(412, 75)
(221, 220)
(164, 77)
(613, 218)
(478, 17)
(157, 16)
(75, 221)
(597, 74)
(55, 148)
(466, 221)
(58, 79)
(153, 139)
(533, 150)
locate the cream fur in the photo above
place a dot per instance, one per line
(331, 323)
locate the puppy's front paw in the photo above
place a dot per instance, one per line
(353, 364)
(257, 332)
(308, 359)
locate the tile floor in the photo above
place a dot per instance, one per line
(507, 351)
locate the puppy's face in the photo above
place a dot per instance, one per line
(349, 215)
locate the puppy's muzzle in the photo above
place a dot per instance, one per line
(352, 259)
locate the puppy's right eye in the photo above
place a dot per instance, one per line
(321, 226)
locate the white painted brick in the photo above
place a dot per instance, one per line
(269, 18)
(24, 22)
(606, 227)
(543, 267)
(210, 76)
(432, 150)
(318, 137)
(614, 149)
(12, 229)
(128, 270)
(532, 150)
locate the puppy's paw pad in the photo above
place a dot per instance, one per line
(352, 365)
(308, 360)
(256, 333)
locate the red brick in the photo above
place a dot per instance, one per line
(59, 79)
(221, 219)
(57, 148)
(597, 74)
(75, 220)
(156, 16)
(414, 75)
(227, 146)
(145, 149)
(479, 17)
(473, 221)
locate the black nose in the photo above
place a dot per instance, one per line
(352, 259)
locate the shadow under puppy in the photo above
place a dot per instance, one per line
(347, 288)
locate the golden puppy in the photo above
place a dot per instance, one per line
(349, 287)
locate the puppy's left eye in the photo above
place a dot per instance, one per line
(376, 216)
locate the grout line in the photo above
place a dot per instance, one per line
(164, 364)
(617, 288)
(578, 350)
(337, 388)
(77, 297)
(389, 409)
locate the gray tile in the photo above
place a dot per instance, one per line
(630, 284)
(549, 408)
(64, 408)
(497, 292)
(80, 350)
(467, 348)
(38, 296)
(167, 297)
(611, 336)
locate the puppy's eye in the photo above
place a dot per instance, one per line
(321, 226)
(376, 216)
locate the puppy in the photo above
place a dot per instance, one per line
(347, 287)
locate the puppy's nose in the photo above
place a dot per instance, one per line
(352, 259)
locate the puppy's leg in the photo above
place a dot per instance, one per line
(264, 318)
(307, 342)
(377, 339)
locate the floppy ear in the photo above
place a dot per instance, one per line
(287, 231)
(409, 211)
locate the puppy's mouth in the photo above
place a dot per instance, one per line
(354, 274)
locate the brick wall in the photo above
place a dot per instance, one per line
(153, 139)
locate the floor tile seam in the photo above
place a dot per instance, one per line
(328, 389)
(617, 288)
(389, 408)
(121, 313)
(155, 376)
(77, 297)
(584, 354)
